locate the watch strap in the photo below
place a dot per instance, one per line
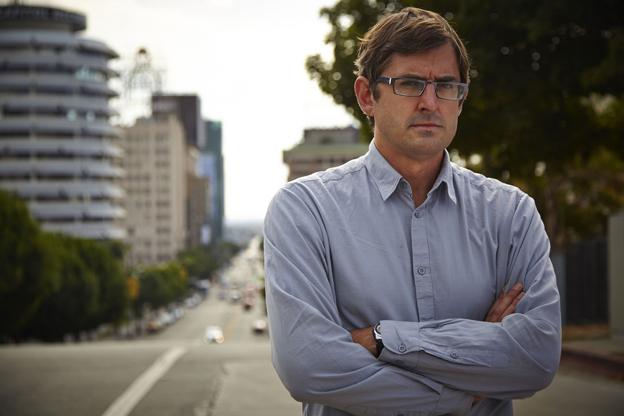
(378, 339)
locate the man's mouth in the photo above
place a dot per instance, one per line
(426, 125)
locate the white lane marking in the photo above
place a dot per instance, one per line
(139, 388)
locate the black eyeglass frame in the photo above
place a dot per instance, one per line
(392, 81)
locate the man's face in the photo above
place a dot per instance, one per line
(416, 127)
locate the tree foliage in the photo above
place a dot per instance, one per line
(71, 308)
(546, 99)
(202, 262)
(92, 290)
(52, 285)
(161, 285)
(27, 269)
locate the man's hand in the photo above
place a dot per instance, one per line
(364, 337)
(505, 304)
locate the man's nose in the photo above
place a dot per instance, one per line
(428, 101)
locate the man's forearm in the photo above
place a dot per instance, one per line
(482, 358)
(504, 305)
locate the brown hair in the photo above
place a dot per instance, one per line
(408, 31)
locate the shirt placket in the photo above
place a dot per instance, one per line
(421, 269)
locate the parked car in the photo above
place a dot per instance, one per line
(153, 325)
(192, 301)
(214, 334)
(235, 296)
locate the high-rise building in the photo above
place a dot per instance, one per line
(188, 110)
(211, 167)
(198, 189)
(58, 150)
(156, 184)
(322, 149)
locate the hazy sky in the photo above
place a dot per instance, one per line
(246, 60)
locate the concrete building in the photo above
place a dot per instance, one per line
(156, 186)
(58, 150)
(203, 204)
(322, 149)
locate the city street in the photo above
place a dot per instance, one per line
(176, 372)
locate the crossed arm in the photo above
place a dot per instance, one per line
(504, 305)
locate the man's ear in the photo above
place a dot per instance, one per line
(364, 95)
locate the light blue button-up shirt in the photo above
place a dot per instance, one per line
(346, 248)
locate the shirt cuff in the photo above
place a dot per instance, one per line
(393, 341)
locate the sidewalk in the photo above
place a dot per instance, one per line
(253, 388)
(602, 356)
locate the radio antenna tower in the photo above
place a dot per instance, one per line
(141, 80)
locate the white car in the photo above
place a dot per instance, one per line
(214, 334)
(259, 326)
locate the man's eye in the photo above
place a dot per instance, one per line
(445, 86)
(411, 83)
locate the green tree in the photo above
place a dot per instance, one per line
(27, 272)
(545, 107)
(203, 262)
(69, 309)
(104, 259)
(161, 285)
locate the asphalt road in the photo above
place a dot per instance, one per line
(174, 372)
(85, 379)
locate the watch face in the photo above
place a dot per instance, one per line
(377, 331)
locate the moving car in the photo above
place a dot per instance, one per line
(214, 334)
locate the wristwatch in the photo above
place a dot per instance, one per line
(378, 340)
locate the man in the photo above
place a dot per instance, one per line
(401, 283)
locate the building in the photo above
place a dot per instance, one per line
(205, 206)
(198, 192)
(188, 110)
(156, 184)
(211, 167)
(322, 149)
(58, 150)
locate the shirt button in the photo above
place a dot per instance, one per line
(417, 214)
(420, 270)
(453, 355)
(402, 348)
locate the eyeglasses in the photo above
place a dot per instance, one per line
(414, 87)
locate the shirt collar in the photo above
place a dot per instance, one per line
(446, 176)
(387, 178)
